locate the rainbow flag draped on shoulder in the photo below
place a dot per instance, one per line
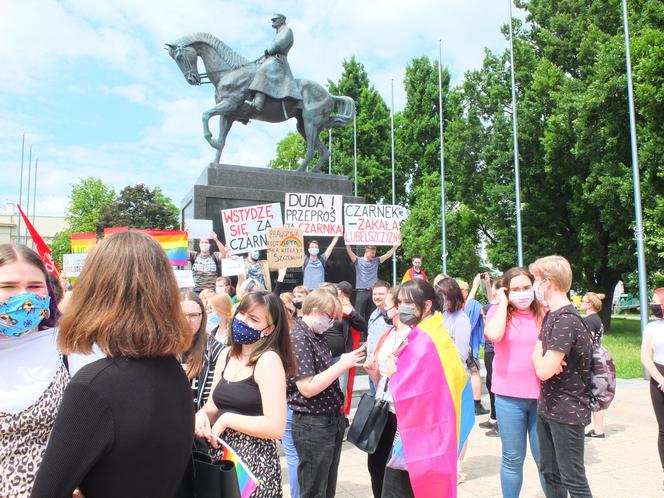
(433, 401)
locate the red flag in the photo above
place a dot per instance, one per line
(42, 248)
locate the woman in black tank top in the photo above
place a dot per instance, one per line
(247, 407)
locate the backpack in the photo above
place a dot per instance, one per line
(602, 383)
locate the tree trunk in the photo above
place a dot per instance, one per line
(607, 283)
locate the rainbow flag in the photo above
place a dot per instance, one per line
(111, 230)
(83, 241)
(246, 480)
(433, 400)
(174, 242)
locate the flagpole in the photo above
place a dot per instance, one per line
(638, 231)
(355, 150)
(442, 154)
(34, 195)
(27, 200)
(329, 147)
(517, 186)
(20, 191)
(394, 256)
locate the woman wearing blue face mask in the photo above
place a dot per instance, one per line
(34, 375)
(315, 397)
(247, 407)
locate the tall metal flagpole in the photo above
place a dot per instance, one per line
(329, 147)
(34, 193)
(27, 200)
(638, 232)
(20, 192)
(355, 149)
(394, 256)
(517, 182)
(442, 154)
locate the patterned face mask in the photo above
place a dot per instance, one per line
(243, 333)
(22, 313)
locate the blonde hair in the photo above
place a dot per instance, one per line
(301, 288)
(222, 305)
(439, 277)
(126, 301)
(206, 294)
(463, 284)
(554, 268)
(324, 302)
(595, 300)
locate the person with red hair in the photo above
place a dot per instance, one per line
(652, 357)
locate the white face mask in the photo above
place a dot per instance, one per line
(313, 251)
(205, 247)
(539, 293)
(521, 300)
(221, 290)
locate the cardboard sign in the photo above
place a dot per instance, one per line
(198, 229)
(231, 267)
(315, 214)
(73, 264)
(285, 248)
(246, 228)
(185, 279)
(373, 224)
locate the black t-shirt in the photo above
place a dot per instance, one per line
(564, 398)
(313, 356)
(124, 428)
(596, 327)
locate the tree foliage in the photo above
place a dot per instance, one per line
(139, 206)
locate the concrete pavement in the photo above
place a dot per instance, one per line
(624, 465)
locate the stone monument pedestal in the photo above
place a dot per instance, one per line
(223, 186)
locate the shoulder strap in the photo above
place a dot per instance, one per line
(228, 358)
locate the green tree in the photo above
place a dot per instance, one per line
(290, 152)
(87, 199)
(139, 206)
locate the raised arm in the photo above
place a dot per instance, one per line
(350, 253)
(223, 250)
(496, 324)
(389, 253)
(475, 288)
(330, 248)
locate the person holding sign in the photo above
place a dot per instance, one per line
(314, 264)
(366, 275)
(415, 271)
(206, 266)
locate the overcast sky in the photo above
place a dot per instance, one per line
(90, 84)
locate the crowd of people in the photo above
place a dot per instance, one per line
(135, 373)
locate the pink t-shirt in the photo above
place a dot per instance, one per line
(513, 371)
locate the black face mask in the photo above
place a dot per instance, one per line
(297, 304)
(656, 310)
(386, 319)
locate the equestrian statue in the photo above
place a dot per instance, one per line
(263, 89)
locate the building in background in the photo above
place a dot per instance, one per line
(47, 227)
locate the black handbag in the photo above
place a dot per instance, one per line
(213, 479)
(368, 423)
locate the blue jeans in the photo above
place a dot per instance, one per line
(517, 422)
(343, 378)
(291, 455)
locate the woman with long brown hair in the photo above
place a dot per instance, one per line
(248, 402)
(201, 358)
(34, 374)
(513, 326)
(124, 425)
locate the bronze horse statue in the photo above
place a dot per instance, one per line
(231, 74)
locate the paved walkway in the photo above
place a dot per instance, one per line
(624, 465)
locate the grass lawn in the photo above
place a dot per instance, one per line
(624, 344)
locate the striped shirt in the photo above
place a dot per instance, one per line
(203, 384)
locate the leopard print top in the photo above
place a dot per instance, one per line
(23, 438)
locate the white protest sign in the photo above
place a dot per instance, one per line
(73, 263)
(198, 229)
(246, 228)
(231, 267)
(185, 279)
(314, 214)
(373, 224)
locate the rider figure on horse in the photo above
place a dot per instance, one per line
(273, 76)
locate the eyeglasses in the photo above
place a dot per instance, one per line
(193, 316)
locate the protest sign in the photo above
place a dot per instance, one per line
(246, 228)
(185, 279)
(73, 264)
(314, 214)
(285, 248)
(231, 267)
(373, 224)
(198, 229)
